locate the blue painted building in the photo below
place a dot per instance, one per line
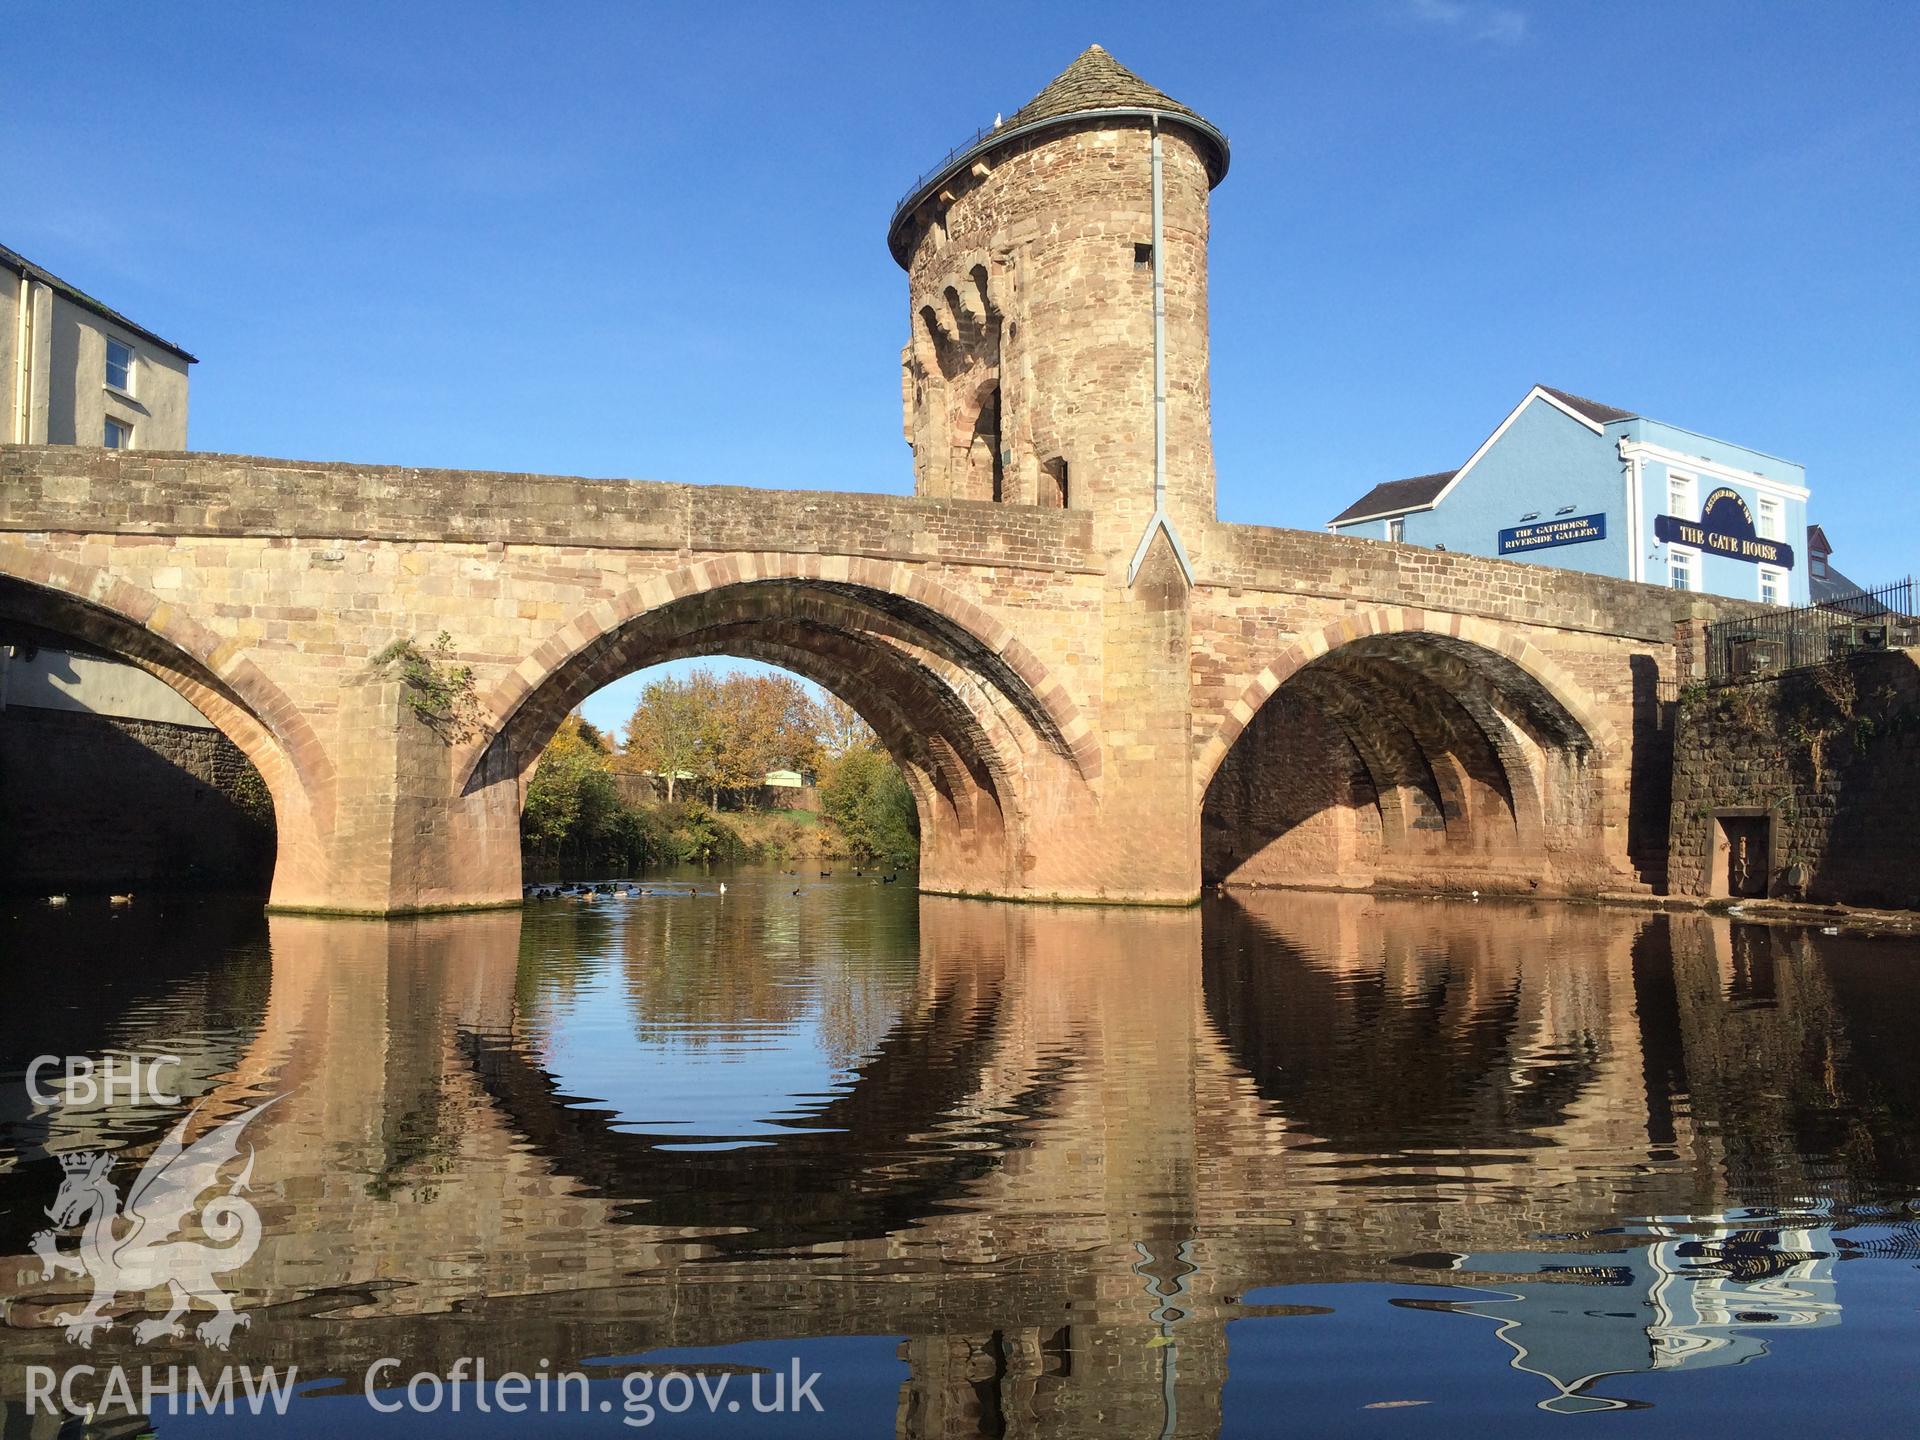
(1570, 482)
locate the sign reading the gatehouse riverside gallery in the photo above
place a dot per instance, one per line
(1573, 530)
(1725, 527)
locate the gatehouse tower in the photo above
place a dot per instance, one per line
(1035, 256)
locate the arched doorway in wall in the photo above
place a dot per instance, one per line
(1406, 758)
(986, 467)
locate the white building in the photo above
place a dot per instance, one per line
(75, 372)
(78, 373)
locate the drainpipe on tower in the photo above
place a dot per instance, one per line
(1159, 520)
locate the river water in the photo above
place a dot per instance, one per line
(1297, 1164)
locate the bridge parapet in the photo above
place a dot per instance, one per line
(70, 490)
(1373, 572)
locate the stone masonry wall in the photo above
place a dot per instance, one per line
(280, 580)
(70, 489)
(1831, 759)
(91, 803)
(1035, 281)
(1292, 805)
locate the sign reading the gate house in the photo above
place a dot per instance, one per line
(1725, 527)
(1574, 530)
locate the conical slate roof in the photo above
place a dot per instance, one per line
(1097, 81)
(1094, 84)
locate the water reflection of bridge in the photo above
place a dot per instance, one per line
(1078, 1114)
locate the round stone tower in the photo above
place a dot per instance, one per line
(1037, 357)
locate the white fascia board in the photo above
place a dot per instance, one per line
(1337, 525)
(1697, 465)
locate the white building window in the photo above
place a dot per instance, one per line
(1680, 501)
(1773, 586)
(1397, 528)
(119, 435)
(1771, 526)
(120, 367)
(1681, 569)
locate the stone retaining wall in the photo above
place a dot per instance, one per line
(90, 803)
(1829, 759)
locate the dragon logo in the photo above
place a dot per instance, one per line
(134, 1249)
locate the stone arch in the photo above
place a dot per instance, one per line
(1405, 746)
(969, 710)
(1040, 698)
(237, 698)
(1387, 620)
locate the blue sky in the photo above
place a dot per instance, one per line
(649, 240)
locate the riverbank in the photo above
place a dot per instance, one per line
(1752, 911)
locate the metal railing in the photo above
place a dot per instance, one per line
(945, 160)
(1755, 646)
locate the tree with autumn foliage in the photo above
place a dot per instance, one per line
(842, 729)
(573, 803)
(725, 732)
(667, 735)
(762, 723)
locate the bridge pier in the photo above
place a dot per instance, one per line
(404, 837)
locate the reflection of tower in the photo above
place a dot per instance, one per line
(1006, 1381)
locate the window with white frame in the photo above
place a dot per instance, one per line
(120, 366)
(1682, 569)
(1773, 586)
(1397, 528)
(1680, 497)
(119, 435)
(1771, 525)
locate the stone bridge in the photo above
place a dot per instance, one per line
(1096, 689)
(1312, 708)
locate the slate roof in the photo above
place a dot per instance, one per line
(1093, 83)
(20, 265)
(1832, 586)
(1825, 589)
(1096, 81)
(1592, 409)
(1395, 496)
